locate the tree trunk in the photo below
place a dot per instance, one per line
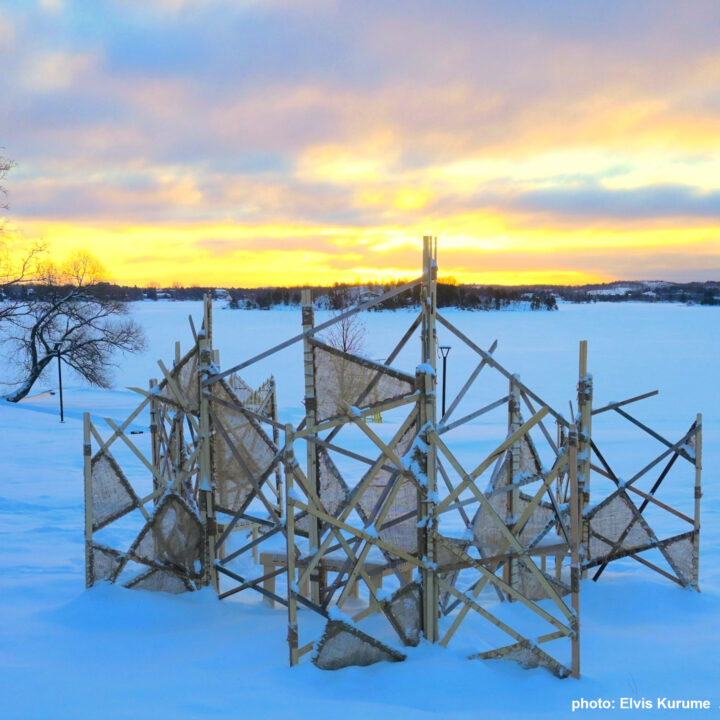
(31, 379)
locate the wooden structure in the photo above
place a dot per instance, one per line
(170, 509)
(372, 538)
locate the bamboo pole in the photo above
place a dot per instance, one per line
(308, 321)
(466, 386)
(276, 440)
(698, 496)
(428, 419)
(154, 439)
(87, 482)
(495, 364)
(510, 569)
(584, 432)
(575, 539)
(291, 341)
(208, 318)
(292, 588)
(205, 475)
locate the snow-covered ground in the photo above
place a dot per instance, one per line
(115, 653)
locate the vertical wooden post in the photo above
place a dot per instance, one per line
(176, 434)
(511, 568)
(205, 479)
(292, 588)
(154, 440)
(208, 317)
(698, 496)
(87, 482)
(308, 320)
(428, 420)
(575, 539)
(584, 431)
(276, 440)
(561, 495)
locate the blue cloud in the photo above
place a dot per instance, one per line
(655, 201)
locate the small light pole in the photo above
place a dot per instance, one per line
(444, 352)
(57, 351)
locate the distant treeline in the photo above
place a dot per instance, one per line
(694, 293)
(450, 294)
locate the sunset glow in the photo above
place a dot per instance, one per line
(316, 142)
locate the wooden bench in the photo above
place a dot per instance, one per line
(271, 561)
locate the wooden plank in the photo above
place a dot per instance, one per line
(652, 433)
(104, 445)
(612, 406)
(467, 385)
(364, 362)
(241, 408)
(698, 496)
(575, 541)
(367, 411)
(87, 484)
(655, 501)
(504, 586)
(292, 636)
(471, 416)
(495, 364)
(506, 533)
(499, 450)
(179, 397)
(257, 485)
(318, 328)
(541, 424)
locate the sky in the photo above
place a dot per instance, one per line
(281, 142)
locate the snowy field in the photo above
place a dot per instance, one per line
(67, 653)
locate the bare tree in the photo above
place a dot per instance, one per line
(19, 263)
(5, 167)
(64, 315)
(347, 334)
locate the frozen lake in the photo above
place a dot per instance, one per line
(115, 653)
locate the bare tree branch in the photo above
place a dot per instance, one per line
(68, 317)
(347, 334)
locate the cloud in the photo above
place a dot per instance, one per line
(52, 6)
(54, 71)
(7, 31)
(496, 124)
(664, 201)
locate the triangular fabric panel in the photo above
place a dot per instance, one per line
(255, 400)
(450, 563)
(160, 580)
(104, 562)
(343, 645)
(527, 656)
(185, 374)
(333, 490)
(530, 586)
(405, 609)
(256, 449)
(611, 519)
(173, 537)
(400, 533)
(681, 553)
(488, 536)
(242, 390)
(529, 458)
(538, 521)
(112, 495)
(340, 377)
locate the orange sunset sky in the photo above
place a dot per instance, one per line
(255, 142)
